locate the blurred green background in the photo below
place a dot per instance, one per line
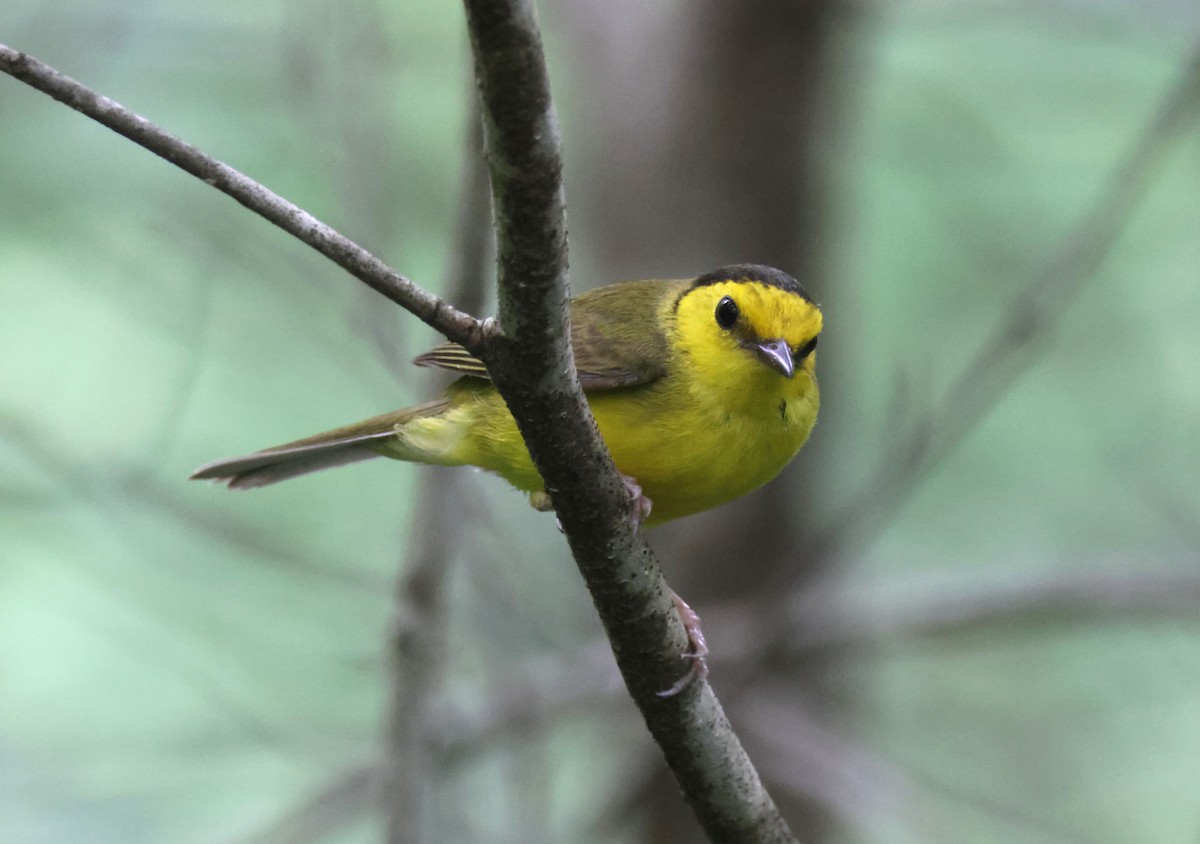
(1008, 646)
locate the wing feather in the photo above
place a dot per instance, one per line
(454, 358)
(615, 332)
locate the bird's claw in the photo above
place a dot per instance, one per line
(697, 649)
(640, 504)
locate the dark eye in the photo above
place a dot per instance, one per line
(806, 350)
(727, 312)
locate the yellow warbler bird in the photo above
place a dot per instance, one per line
(703, 390)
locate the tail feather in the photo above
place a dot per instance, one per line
(274, 465)
(312, 454)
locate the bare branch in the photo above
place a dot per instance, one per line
(531, 363)
(458, 326)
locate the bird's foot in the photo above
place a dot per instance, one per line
(640, 506)
(697, 649)
(639, 510)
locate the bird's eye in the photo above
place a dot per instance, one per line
(806, 350)
(727, 312)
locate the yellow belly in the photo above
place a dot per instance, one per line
(691, 456)
(687, 453)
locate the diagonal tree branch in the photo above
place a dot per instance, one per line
(530, 361)
(458, 326)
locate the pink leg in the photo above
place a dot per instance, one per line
(698, 670)
(641, 504)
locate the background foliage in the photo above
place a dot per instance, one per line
(182, 664)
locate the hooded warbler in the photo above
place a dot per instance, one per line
(703, 390)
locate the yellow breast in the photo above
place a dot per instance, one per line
(689, 452)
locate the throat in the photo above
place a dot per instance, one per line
(762, 404)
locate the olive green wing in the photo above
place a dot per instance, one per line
(615, 331)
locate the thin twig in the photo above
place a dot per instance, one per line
(456, 325)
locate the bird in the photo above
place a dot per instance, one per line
(703, 389)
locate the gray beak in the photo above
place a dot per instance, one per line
(775, 354)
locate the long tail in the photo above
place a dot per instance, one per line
(348, 444)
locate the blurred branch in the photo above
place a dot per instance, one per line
(833, 618)
(418, 632)
(535, 693)
(469, 262)
(833, 770)
(1060, 599)
(538, 691)
(456, 325)
(1007, 353)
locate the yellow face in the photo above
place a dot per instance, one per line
(747, 341)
